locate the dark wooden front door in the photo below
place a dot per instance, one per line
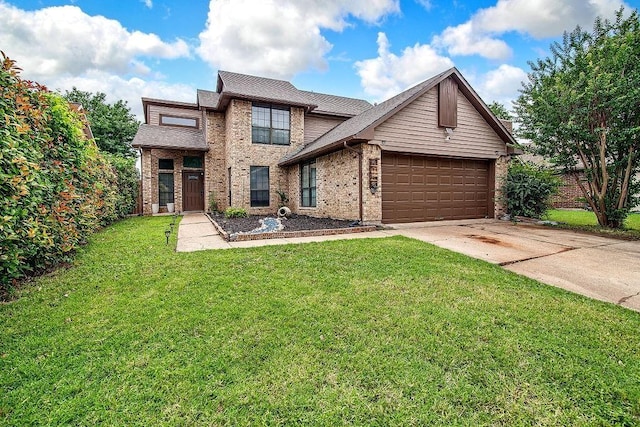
(193, 191)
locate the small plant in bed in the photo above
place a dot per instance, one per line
(235, 213)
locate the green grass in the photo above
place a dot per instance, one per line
(358, 332)
(586, 221)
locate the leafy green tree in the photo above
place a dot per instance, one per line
(581, 109)
(113, 125)
(500, 110)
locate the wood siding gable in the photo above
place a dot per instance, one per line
(415, 129)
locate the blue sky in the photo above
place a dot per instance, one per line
(369, 49)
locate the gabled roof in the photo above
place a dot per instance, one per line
(361, 127)
(169, 137)
(243, 86)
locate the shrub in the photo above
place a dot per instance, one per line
(55, 187)
(235, 213)
(126, 181)
(527, 189)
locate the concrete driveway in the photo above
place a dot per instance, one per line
(598, 267)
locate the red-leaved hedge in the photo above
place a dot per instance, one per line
(55, 186)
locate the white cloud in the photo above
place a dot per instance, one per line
(537, 18)
(64, 40)
(126, 89)
(543, 18)
(148, 3)
(279, 38)
(464, 39)
(388, 74)
(501, 84)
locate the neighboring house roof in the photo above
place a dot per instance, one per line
(151, 136)
(336, 105)
(86, 128)
(361, 127)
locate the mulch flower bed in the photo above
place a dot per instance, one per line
(292, 223)
(242, 229)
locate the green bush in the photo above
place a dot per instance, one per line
(55, 187)
(235, 213)
(527, 189)
(126, 181)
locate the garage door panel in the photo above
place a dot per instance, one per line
(418, 188)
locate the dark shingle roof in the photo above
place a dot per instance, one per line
(336, 105)
(234, 85)
(208, 99)
(150, 136)
(361, 126)
(351, 128)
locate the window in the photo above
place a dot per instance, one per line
(166, 164)
(189, 122)
(259, 183)
(192, 162)
(165, 188)
(308, 184)
(270, 125)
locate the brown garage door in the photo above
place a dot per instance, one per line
(419, 188)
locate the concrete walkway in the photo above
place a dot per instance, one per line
(597, 267)
(196, 233)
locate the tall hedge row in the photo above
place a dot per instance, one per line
(55, 186)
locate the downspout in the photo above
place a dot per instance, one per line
(359, 153)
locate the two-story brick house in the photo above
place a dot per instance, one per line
(432, 152)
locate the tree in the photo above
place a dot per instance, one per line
(113, 125)
(580, 109)
(500, 111)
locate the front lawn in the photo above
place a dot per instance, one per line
(358, 332)
(586, 221)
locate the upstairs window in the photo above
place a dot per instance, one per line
(187, 122)
(270, 125)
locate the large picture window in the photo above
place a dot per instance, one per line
(270, 125)
(259, 182)
(165, 188)
(308, 184)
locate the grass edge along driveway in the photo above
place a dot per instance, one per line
(359, 332)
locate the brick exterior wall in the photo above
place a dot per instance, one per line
(371, 173)
(149, 165)
(215, 182)
(337, 186)
(241, 154)
(569, 192)
(501, 168)
(228, 135)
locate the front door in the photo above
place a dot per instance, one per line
(193, 191)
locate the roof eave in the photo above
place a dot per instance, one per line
(165, 147)
(327, 149)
